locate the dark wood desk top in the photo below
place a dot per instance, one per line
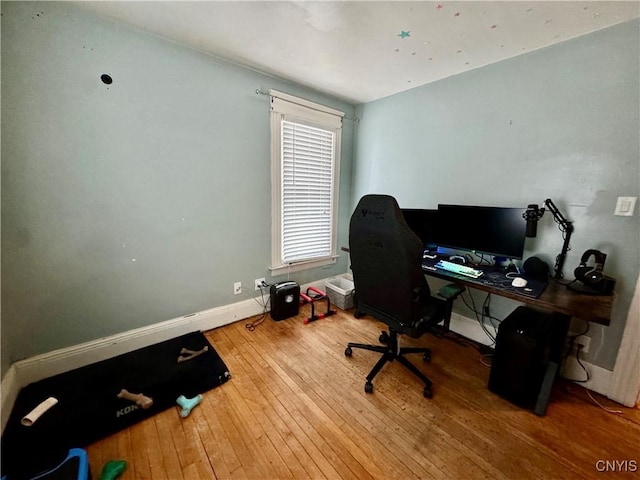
(556, 297)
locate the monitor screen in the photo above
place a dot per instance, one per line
(496, 231)
(423, 223)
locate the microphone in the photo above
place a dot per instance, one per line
(532, 215)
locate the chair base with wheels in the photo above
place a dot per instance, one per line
(392, 351)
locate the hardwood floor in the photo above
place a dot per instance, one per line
(296, 408)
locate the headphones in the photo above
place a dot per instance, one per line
(590, 275)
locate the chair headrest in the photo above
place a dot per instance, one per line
(377, 207)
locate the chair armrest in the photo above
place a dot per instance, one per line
(451, 292)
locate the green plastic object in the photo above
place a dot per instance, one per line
(113, 469)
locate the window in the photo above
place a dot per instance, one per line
(305, 149)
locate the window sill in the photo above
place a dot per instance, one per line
(301, 266)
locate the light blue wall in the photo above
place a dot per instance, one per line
(559, 123)
(169, 165)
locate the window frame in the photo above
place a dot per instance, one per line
(292, 109)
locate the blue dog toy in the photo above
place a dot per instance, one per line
(188, 404)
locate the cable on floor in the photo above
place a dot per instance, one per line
(251, 326)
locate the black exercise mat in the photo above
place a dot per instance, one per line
(88, 408)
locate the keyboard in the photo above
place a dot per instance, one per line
(459, 269)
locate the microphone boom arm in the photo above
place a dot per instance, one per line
(567, 229)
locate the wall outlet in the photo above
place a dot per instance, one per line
(257, 283)
(584, 341)
(237, 288)
(579, 340)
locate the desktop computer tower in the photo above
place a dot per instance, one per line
(526, 358)
(285, 300)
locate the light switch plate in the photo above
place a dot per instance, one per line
(625, 206)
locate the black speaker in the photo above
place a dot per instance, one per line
(536, 269)
(285, 300)
(525, 346)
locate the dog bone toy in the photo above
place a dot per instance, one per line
(188, 404)
(186, 354)
(140, 399)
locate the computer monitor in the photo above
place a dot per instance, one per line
(496, 231)
(424, 225)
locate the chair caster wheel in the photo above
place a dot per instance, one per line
(368, 387)
(426, 357)
(348, 352)
(384, 338)
(427, 392)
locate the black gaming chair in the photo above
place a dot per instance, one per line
(386, 262)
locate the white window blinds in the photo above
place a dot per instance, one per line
(307, 192)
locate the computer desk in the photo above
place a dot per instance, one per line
(562, 303)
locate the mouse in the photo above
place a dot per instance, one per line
(519, 282)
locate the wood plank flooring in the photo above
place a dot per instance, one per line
(296, 408)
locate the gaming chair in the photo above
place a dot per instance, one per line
(386, 262)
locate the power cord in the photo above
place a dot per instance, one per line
(486, 311)
(481, 316)
(483, 359)
(251, 326)
(606, 409)
(459, 339)
(588, 377)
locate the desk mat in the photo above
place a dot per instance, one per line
(533, 289)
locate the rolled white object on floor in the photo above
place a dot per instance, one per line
(37, 412)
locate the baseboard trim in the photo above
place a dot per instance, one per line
(599, 378)
(65, 359)
(471, 329)
(9, 393)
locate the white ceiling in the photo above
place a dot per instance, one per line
(364, 50)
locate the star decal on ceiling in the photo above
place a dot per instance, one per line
(404, 34)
